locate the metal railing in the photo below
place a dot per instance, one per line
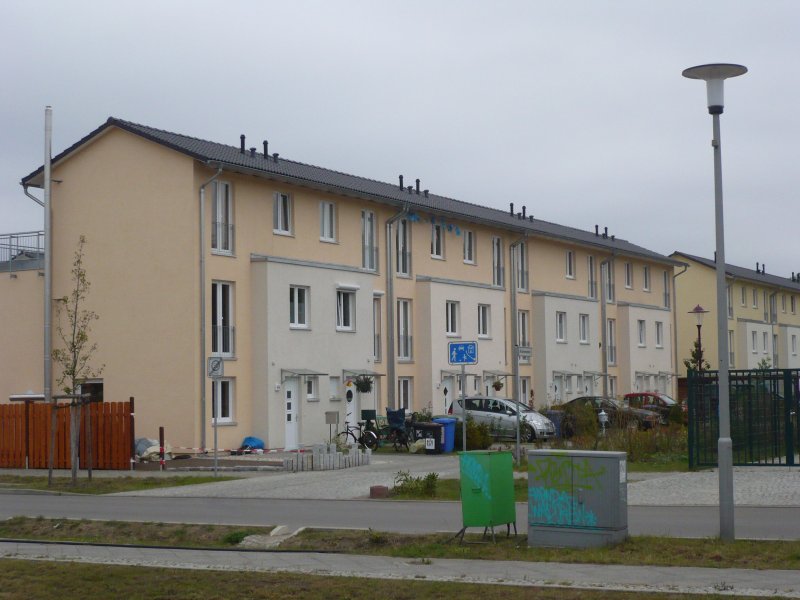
(21, 251)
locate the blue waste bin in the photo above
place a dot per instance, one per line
(449, 426)
(557, 417)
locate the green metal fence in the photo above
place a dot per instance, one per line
(764, 417)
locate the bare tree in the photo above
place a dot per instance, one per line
(74, 356)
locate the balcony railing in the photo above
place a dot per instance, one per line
(223, 338)
(21, 251)
(222, 235)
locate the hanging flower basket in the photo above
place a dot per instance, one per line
(363, 384)
(497, 385)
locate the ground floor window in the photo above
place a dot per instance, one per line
(222, 400)
(405, 387)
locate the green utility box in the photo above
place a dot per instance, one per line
(487, 490)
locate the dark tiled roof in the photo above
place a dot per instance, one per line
(742, 273)
(231, 158)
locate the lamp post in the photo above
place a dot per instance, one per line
(715, 75)
(699, 312)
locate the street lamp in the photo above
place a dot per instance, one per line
(699, 312)
(715, 75)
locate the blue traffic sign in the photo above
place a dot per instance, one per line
(462, 353)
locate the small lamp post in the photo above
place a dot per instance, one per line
(715, 75)
(699, 312)
(603, 416)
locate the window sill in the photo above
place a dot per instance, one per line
(299, 328)
(659, 347)
(404, 275)
(572, 277)
(328, 241)
(641, 345)
(230, 253)
(312, 399)
(584, 343)
(340, 330)
(283, 233)
(453, 335)
(436, 257)
(335, 399)
(484, 337)
(628, 287)
(224, 423)
(406, 361)
(469, 262)
(561, 341)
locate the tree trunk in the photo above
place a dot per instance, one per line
(52, 449)
(74, 437)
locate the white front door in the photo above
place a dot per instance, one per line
(290, 396)
(449, 392)
(352, 409)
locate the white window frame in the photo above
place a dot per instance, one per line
(523, 324)
(299, 318)
(222, 227)
(376, 329)
(794, 344)
(608, 273)
(405, 340)
(783, 303)
(282, 214)
(327, 221)
(561, 327)
(498, 275)
(452, 310)
(484, 321)
(646, 278)
(628, 275)
(592, 282)
(755, 298)
(583, 328)
(765, 341)
(437, 241)
(405, 392)
(667, 292)
(369, 241)
(570, 266)
(659, 334)
(754, 339)
(793, 304)
(641, 328)
(469, 246)
(611, 341)
(744, 296)
(334, 387)
(403, 248)
(345, 310)
(220, 388)
(612, 387)
(521, 250)
(221, 299)
(312, 388)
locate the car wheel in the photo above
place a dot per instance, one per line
(527, 433)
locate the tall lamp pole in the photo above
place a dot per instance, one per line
(715, 75)
(699, 312)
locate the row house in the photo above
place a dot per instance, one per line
(762, 313)
(302, 278)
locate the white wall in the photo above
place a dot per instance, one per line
(639, 365)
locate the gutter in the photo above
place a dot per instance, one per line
(203, 305)
(514, 325)
(607, 263)
(390, 347)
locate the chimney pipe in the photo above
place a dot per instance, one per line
(530, 218)
(792, 275)
(241, 144)
(715, 257)
(425, 192)
(401, 182)
(613, 237)
(605, 232)
(524, 209)
(275, 156)
(519, 215)
(417, 187)
(757, 268)
(266, 149)
(253, 151)
(409, 188)
(511, 209)
(596, 230)
(763, 268)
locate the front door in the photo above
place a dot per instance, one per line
(290, 396)
(449, 393)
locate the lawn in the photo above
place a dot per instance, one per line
(102, 485)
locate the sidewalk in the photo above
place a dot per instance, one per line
(516, 573)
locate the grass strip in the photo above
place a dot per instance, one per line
(103, 485)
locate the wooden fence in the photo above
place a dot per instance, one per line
(25, 432)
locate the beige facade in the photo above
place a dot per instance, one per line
(297, 291)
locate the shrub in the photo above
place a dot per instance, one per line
(407, 485)
(479, 436)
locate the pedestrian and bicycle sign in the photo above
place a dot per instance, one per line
(462, 353)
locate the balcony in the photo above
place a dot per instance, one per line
(21, 251)
(222, 235)
(223, 338)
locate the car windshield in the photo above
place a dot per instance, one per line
(523, 407)
(667, 399)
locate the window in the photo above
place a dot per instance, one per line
(729, 293)
(764, 341)
(335, 388)
(298, 307)
(404, 339)
(561, 327)
(794, 345)
(345, 310)
(608, 272)
(646, 278)
(667, 297)
(731, 353)
(793, 304)
(376, 329)
(783, 303)
(640, 326)
(437, 240)
(327, 221)
(469, 246)
(403, 258)
(522, 328)
(369, 241)
(525, 390)
(766, 309)
(405, 387)
(222, 400)
(570, 272)
(659, 334)
(755, 298)
(592, 293)
(282, 214)
(497, 261)
(484, 320)
(583, 329)
(222, 227)
(628, 275)
(611, 341)
(311, 388)
(521, 258)
(451, 317)
(744, 296)
(612, 387)
(222, 319)
(754, 337)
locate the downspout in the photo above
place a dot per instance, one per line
(514, 325)
(31, 196)
(48, 265)
(390, 347)
(203, 307)
(675, 325)
(603, 320)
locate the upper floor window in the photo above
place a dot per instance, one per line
(312, 387)
(583, 329)
(437, 240)
(793, 304)
(327, 221)
(404, 336)
(754, 340)
(369, 241)
(561, 327)
(765, 340)
(403, 248)
(611, 341)
(345, 310)
(298, 307)
(744, 296)
(222, 228)
(521, 259)
(282, 214)
(755, 298)
(659, 334)
(497, 262)
(608, 274)
(570, 271)
(667, 297)
(642, 332)
(783, 303)
(523, 323)
(729, 292)
(646, 278)
(484, 320)
(376, 328)
(628, 275)
(222, 319)
(451, 317)
(469, 246)
(222, 400)
(592, 293)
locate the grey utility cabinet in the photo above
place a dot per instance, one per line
(577, 498)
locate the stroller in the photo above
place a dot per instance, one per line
(398, 434)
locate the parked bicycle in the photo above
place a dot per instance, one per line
(357, 435)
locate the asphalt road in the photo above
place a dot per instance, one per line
(399, 516)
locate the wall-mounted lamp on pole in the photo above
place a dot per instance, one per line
(715, 75)
(699, 312)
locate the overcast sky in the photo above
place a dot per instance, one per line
(576, 109)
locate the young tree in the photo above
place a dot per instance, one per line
(74, 356)
(696, 362)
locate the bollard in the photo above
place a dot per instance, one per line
(161, 448)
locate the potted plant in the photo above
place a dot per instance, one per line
(497, 385)
(363, 384)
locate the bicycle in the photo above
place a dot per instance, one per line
(366, 438)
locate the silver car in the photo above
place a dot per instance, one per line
(500, 414)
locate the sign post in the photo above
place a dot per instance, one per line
(216, 370)
(463, 353)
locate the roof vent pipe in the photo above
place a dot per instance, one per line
(401, 182)
(275, 156)
(266, 149)
(425, 192)
(511, 208)
(792, 275)
(763, 268)
(417, 187)
(409, 188)
(530, 218)
(241, 144)
(524, 209)
(253, 151)
(519, 215)
(596, 230)
(757, 268)
(613, 237)
(605, 232)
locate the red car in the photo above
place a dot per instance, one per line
(655, 401)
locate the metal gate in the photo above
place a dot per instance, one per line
(764, 414)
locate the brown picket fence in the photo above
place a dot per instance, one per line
(25, 432)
